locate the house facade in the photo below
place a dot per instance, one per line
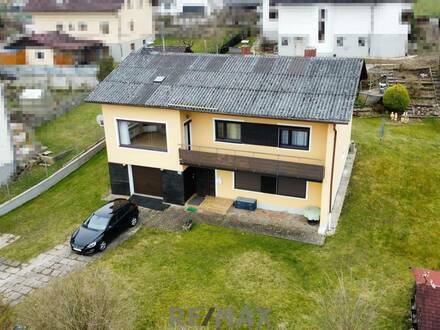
(122, 25)
(230, 126)
(354, 28)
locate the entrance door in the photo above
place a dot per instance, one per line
(300, 46)
(205, 182)
(147, 181)
(187, 134)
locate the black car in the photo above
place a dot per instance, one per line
(104, 225)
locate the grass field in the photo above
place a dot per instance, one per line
(429, 8)
(76, 130)
(389, 224)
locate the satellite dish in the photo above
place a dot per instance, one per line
(100, 120)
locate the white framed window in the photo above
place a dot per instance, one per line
(104, 27)
(71, 26)
(39, 55)
(362, 41)
(59, 27)
(321, 25)
(82, 26)
(131, 25)
(284, 41)
(273, 14)
(141, 4)
(340, 41)
(142, 135)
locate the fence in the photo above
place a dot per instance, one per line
(52, 180)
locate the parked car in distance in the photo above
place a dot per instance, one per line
(104, 225)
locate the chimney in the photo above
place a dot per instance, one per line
(310, 52)
(245, 48)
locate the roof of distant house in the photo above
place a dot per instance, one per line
(312, 89)
(53, 40)
(427, 298)
(73, 5)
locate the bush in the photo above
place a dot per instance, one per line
(106, 65)
(5, 316)
(83, 300)
(348, 306)
(396, 98)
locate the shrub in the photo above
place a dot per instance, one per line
(396, 98)
(106, 65)
(83, 300)
(5, 316)
(348, 306)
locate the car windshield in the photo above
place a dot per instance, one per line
(97, 222)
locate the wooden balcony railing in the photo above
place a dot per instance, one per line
(249, 161)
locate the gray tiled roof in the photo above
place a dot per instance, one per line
(317, 89)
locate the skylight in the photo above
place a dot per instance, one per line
(159, 79)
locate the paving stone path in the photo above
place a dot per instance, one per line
(6, 239)
(19, 279)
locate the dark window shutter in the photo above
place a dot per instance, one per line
(260, 134)
(247, 181)
(292, 187)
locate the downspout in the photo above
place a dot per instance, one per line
(333, 167)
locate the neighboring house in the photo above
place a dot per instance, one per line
(122, 25)
(52, 48)
(346, 28)
(276, 129)
(6, 148)
(425, 306)
(187, 8)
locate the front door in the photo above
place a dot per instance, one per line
(205, 182)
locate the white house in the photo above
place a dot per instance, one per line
(348, 28)
(188, 8)
(6, 149)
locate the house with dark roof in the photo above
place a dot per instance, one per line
(273, 130)
(121, 25)
(425, 306)
(342, 28)
(53, 48)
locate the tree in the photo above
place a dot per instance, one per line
(396, 98)
(106, 65)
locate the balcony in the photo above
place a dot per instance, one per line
(236, 160)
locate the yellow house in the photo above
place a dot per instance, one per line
(273, 129)
(122, 25)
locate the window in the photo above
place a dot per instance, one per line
(59, 27)
(228, 131)
(167, 6)
(141, 4)
(340, 41)
(82, 26)
(284, 186)
(273, 14)
(144, 42)
(129, 4)
(284, 41)
(321, 25)
(294, 137)
(131, 26)
(104, 27)
(361, 42)
(39, 55)
(71, 27)
(142, 135)
(132, 46)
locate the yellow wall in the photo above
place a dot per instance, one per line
(31, 56)
(321, 152)
(165, 160)
(142, 18)
(225, 188)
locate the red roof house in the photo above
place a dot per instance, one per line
(426, 307)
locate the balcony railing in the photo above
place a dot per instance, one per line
(250, 161)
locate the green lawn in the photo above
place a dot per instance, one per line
(50, 218)
(74, 130)
(429, 8)
(389, 223)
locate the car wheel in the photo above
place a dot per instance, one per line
(133, 221)
(102, 246)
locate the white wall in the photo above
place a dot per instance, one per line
(6, 151)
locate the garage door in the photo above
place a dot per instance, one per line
(147, 181)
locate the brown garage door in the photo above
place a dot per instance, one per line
(147, 181)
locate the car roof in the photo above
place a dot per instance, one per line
(110, 208)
